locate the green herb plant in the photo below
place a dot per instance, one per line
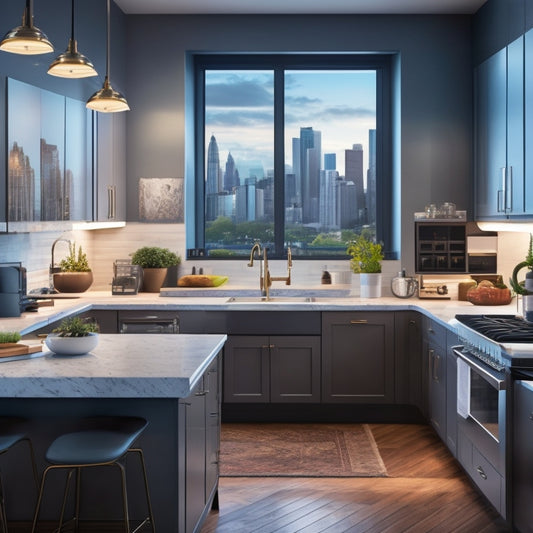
(9, 336)
(517, 286)
(75, 262)
(75, 327)
(366, 256)
(155, 257)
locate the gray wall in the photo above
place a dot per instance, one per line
(435, 153)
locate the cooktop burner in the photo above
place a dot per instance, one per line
(500, 328)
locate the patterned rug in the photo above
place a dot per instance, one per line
(299, 450)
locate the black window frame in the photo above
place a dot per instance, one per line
(382, 63)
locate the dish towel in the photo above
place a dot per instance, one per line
(463, 388)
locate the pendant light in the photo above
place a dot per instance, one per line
(72, 64)
(26, 39)
(107, 100)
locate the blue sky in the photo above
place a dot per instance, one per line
(340, 104)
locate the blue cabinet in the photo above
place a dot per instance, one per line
(499, 131)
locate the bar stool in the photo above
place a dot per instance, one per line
(104, 441)
(13, 431)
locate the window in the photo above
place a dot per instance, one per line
(291, 150)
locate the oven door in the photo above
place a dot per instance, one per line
(481, 405)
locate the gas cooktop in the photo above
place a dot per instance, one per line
(506, 340)
(500, 328)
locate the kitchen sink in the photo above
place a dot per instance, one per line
(274, 299)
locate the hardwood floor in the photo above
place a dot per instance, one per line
(426, 491)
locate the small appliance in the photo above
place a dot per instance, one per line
(13, 300)
(432, 289)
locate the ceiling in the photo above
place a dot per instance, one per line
(275, 7)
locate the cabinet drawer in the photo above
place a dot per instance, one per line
(487, 479)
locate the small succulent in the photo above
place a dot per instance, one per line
(75, 327)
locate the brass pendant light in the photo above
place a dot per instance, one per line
(72, 64)
(26, 39)
(107, 100)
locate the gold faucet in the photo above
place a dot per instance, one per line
(265, 279)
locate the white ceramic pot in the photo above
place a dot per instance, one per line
(370, 285)
(71, 345)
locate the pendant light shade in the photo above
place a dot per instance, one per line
(107, 100)
(72, 64)
(26, 39)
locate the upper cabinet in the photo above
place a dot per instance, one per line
(111, 167)
(500, 177)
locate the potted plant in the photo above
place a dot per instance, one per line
(73, 336)
(155, 262)
(525, 288)
(366, 256)
(75, 275)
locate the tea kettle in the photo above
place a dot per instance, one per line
(403, 286)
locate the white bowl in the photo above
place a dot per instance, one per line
(71, 345)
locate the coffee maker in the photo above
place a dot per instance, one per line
(13, 300)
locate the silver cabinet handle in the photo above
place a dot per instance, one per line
(509, 191)
(502, 193)
(111, 201)
(481, 472)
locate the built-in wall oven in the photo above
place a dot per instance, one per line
(493, 348)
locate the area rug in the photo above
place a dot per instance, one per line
(299, 450)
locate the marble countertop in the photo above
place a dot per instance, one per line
(121, 366)
(213, 300)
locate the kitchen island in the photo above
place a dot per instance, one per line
(171, 380)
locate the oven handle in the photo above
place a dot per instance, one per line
(497, 383)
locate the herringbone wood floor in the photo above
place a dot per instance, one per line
(426, 491)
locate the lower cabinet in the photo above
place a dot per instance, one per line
(357, 357)
(201, 445)
(434, 348)
(522, 457)
(269, 369)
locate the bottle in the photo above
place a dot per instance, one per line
(326, 276)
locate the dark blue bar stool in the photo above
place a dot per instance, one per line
(103, 441)
(13, 431)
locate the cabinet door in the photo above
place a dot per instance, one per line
(490, 135)
(515, 128)
(436, 356)
(247, 369)
(212, 440)
(295, 369)
(451, 393)
(522, 457)
(111, 167)
(358, 357)
(195, 450)
(528, 102)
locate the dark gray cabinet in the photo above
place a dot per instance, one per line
(434, 348)
(451, 392)
(272, 368)
(408, 358)
(522, 456)
(200, 444)
(358, 357)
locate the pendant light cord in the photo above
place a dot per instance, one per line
(108, 55)
(72, 22)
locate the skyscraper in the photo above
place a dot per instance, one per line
(330, 161)
(213, 168)
(353, 160)
(231, 176)
(310, 157)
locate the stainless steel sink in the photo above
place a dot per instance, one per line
(273, 299)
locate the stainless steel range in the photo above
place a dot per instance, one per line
(493, 350)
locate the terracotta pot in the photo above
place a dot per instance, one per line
(73, 281)
(153, 279)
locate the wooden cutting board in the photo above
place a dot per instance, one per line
(18, 349)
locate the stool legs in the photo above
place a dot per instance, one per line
(149, 520)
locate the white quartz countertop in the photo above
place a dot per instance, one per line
(121, 366)
(440, 310)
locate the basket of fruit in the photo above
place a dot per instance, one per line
(487, 293)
